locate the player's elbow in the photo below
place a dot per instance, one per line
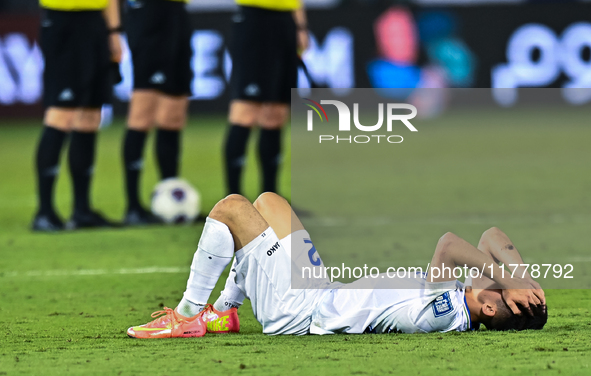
(449, 238)
(492, 232)
(443, 251)
(489, 237)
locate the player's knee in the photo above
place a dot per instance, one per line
(171, 116)
(142, 110)
(171, 121)
(266, 201)
(59, 118)
(271, 121)
(245, 114)
(227, 207)
(244, 120)
(234, 197)
(230, 201)
(87, 120)
(273, 116)
(140, 122)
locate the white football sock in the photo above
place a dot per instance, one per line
(231, 296)
(188, 309)
(214, 253)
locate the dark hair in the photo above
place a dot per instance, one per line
(505, 319)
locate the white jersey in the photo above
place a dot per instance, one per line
(263, 273)
(424, 308)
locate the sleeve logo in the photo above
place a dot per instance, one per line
(442, 305)
(273, 248)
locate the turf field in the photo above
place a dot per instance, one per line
(67, 299)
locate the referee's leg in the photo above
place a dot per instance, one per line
(243, 116)
(262, 76)
(81, 158)
(171, 118)
(57, 124)
(140, 121)
(76, 85)
(162, 82)
(272, 117)
(148, 109)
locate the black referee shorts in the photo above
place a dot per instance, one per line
(159, 37)
(76, 51)
(264, 55)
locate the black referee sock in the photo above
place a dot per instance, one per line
(47, 165)
(167, 152)
(270, 156)
(81, 161)
(133, 161)
(234, 153)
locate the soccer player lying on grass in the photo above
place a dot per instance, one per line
(261, 237)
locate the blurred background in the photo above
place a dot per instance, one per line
(355, 43)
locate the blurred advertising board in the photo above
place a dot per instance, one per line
(541, 45)
(21, 66)
(230, 5)
(365, 44)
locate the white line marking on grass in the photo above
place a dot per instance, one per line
(84, 272)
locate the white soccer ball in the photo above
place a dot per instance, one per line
(176, 201)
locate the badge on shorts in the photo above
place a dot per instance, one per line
(442, 305)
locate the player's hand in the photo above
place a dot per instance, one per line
(538, 292)
(115, 47)
(303, 40)
(523, 297)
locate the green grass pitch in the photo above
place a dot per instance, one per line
(67, 299)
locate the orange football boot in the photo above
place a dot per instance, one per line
(171, 325)
(220, 322)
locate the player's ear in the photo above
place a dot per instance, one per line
(488, 309)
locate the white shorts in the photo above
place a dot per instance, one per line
(263, 274)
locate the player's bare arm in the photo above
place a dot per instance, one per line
(454, 251)
(497, 244)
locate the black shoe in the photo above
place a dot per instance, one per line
(89, 219)
(47, 223)
(140, 217)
